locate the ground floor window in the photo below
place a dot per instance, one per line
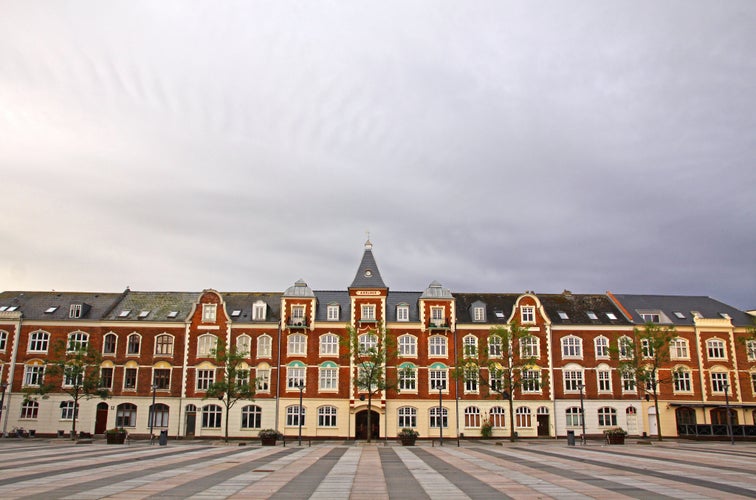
(158, 415)
(251, 417)
(472, 417)
(497, 416)
(293, 416)
(574, 416)
(126, 415)
(607, 417)
(68, 410)
(407, 417)
(438, 417)
(327, 416)
(29, 409)
(211, 416)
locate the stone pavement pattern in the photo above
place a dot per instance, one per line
(538, 469)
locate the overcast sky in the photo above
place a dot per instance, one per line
(492, 146)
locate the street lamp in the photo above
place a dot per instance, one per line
(298, 384)
(440, 385)
(152, 414)
(4, 386)
(582, 412)
(726, 386)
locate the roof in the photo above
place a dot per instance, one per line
(154, 306)
(494, 302)
(409, 298)
(368, 275)
(671, 305)
(326, 298)
(574, 309)
(243, 302)
(56, 306)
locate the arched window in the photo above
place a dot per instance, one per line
(678, 349)
(251, 417)
(437, 377)
(522, 417)
(472, 417)
(206, 345)
(29, 409)
(158, 415)
(572, 347)
(68, 410)
(164, 345)
(470, 346)
(262, 377)
(109, 343)
(126, 414)
(133, 343)
(34, 373)
(39, 341)
(407, 374)
(607, 417)
(542, 410)
(573, 377)
(327, 416)
(574, 416)
(77, 341)
(408, 346)
(296, 375)
(497, 415)
(602, 347)
(407, 417)
(437, 346)
(161, 376)
(682, 380)
(604, 378)
(293, 415)
(685, 416)
(494, 346)
(297, 345)
(211, 416)
(264, 343)
(471, 378)
(715, 348)
(329, 345)
(244, 345)
(328, 376)
(625, 345)
(530, 347)
(438, 417)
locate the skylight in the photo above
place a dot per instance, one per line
(3, 308)
(563, 315)
(611, 316)
(499, 314)
(725, 315)
(591, 315)
(124, 313)
(679, 315)
(235, 313)
(12, 308)
(144, 314)
(173, 314)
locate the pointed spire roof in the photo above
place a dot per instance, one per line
(368, 275)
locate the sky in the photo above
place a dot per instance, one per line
(491, 146)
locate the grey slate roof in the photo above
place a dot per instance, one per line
(34, 304)
(243, 302)
(157, 305)
(368, 275)
(409, 298)
(493, 302)
(332, 297)
(684, 304)
(577, 307)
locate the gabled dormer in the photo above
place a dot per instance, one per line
(478, 312)
(298, 306)
(437, 307)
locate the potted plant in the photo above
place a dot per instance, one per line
(268, 437)
(116, 436)
(486, 429)
(408, 436)
(615, 435)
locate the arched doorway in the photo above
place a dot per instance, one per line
(542, 414)
(101, 418)
(719, 416)
(191, 419)
(361, 425)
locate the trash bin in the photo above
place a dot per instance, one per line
(163, 439)
(570, 438)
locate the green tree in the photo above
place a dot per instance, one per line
(234, 383)
(369, 352)
(642, 358)
(75, 370)
(508, 358)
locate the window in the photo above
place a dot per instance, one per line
(34, 375)
(479, 314)
(719, 382)
(531, 381)
(367, 343)
(133, 343)
(574, 416)
(327, 416)
(647, 348)
(294, 416)
(251, 417)
(295, 376)
(164, 345)
(496, 379)
(407, 377)
(329, 345)
(682, 381)
(243, 345)
(494, 346)
(332, 312)
(628, 381)
(611, 316)
(437, 346)
(402, 312)
(471, 380)
(29, 409)
(161, 378)
(753, 383)
(407, 346)
(298, 315)
(368, 312)
(522, 417)
(715, 348)
(242, 375)
(68, 410)
(572, 347)
(497, 417)
(49, 310)
(437, 316)
(591, 315)
(438, 417)
(205, 378)
(264, 343)
(125, 313)
(297, 345)
(470, 346)
(130, 378)
(72, 379)
(3, 340)
(262, 378)
(259, 310)
(74, 311)
(607, 417)
(472, 417)
(407, 417)
(604, 380)
(77, 341)
(529, 347)
(209, 313)
(678, 349)
(651, 317)
(158, 415)
(437, 379)
(563, 315)
(573, 380)
(211, 416)
(126, 414)
(329, 377)
(38, 341)
(527, 314)
(109, 344)
(143, 314)
(625, 345)
(106, 377)
(602, 347)
(751, 350)
(236, 313)
(206, 345)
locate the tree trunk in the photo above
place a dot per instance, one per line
(511, 419)
(370, 411)
(75, 414)
(658, 417)
(227, 412)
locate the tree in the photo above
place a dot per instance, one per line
(234, 383)
(508, 359)
(642, 357)
(76, 367)
(369, 352)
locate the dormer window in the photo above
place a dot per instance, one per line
(259, 311)
(651, 318)
(298, 315)
(479, 313)
(437, 316)
(209, 313)
(333, 312)
(402, 312)
(527, 314)
(368, 312)
(74, 311)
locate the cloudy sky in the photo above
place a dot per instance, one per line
(492, 146)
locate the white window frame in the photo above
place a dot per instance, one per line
(367, 312)
(209, 313)
(328, 378)
(437, 346)
(527, 315)
(497, 415)
(678, 348)
(479, 314)
(332, 312)
(607, 416)
(105, 343)
(264, 346)
(407, 378)
(573, 378)
(126, 370)
(436, 375)
(259, 311)
(407, 346)
(251, 417)
(601, 346)
(682, 381)
(470, 346)
(34, 375)
(327, 416)
(129, 338)
(79, 339)
(572, 347)
(523, 417)
(206, 343)
(716, 349)
(39, 341)
(530, 346)
(604, 381)
(294, 375)
(531, 381)
(433, 417)
(205, 378)
(163, 348)
(296, 344)
(437, 315)
(402, 312)
(718, 381)
(406, 417)
(573, 416)
(293, 415)
(329, 344)
(495, 346)
(244, 345)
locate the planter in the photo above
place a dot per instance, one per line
(115, 437)
(615, 439)
(268, 441)
(408, 441)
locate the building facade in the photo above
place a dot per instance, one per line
(158, 347)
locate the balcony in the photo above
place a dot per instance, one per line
(296, 323)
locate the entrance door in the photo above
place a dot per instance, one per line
(361, 425)
(101, 418)
(191, 418)
(543, 425)
(653, 430)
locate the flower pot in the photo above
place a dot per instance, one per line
(408, 441)
(268, 441)
(115, 437)
(615, 439)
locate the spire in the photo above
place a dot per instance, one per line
(368, 275)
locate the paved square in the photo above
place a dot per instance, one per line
(530, 469)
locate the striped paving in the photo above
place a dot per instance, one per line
(477, 470)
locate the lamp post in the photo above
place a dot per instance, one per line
(152, 414)
(582, 413)
(727, 409)
(4, 386)
(440, 386)
(298, 384)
